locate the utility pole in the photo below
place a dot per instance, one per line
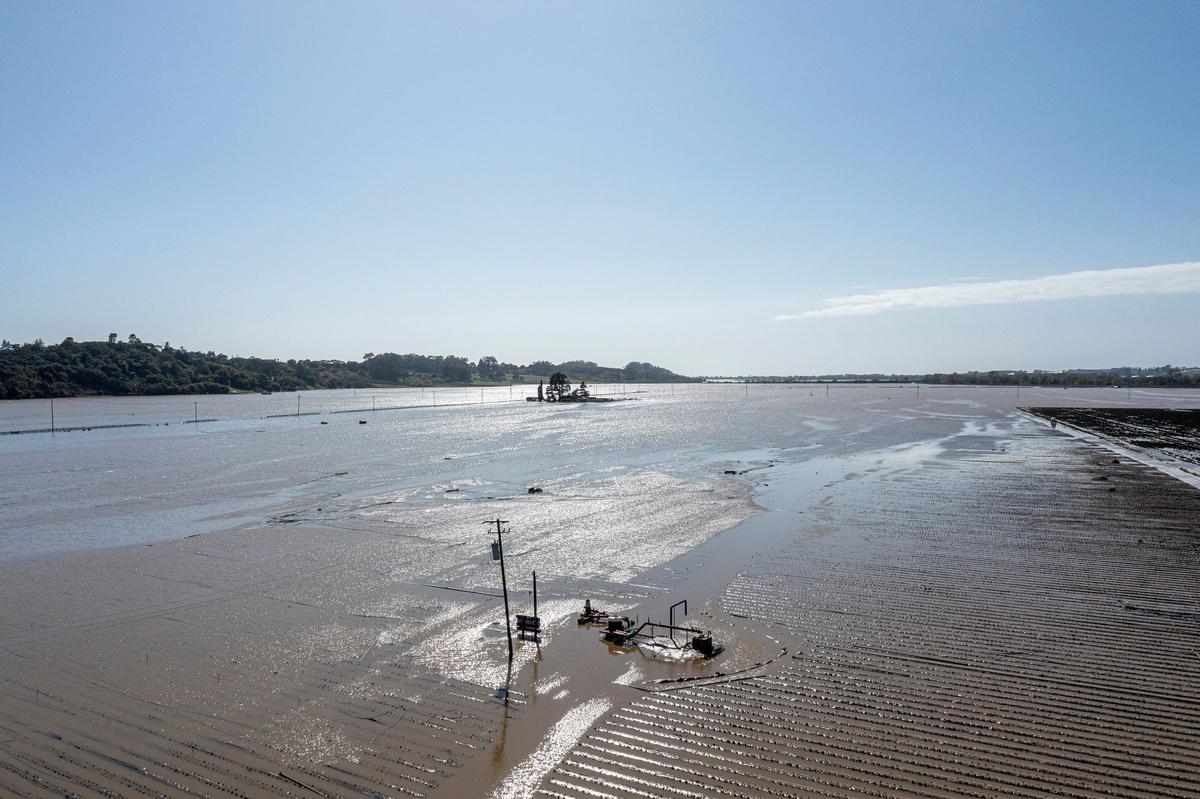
(297, 404)
(537, 636)
(195, 413)
(498, 554)
(52, 415)
(372, 402)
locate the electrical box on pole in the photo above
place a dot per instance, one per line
(498, 554)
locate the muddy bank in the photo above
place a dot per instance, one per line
(1165, 433)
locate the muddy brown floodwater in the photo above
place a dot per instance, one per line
(919, 595)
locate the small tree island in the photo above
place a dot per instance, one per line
(560, 390)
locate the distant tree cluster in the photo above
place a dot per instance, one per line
(128, 365)
(1121, 375)
(559, 387)
(1124, 375)
(632, 372)
(422, 369)
(132, 366)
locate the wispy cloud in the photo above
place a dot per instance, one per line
(1165, 279)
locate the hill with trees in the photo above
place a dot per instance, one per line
(132, 366)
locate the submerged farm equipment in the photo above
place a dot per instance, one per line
(625, 632)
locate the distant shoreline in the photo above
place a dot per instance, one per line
(378, 386)
(133, 367)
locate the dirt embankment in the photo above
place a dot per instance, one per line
(1174, 433)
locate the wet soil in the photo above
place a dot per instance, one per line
(937, 598)
(1173, 433)
(1013, 615)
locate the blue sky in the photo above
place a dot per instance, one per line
(615, 182)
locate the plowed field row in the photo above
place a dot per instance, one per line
(990, 624)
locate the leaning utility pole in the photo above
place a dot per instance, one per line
(498, 554)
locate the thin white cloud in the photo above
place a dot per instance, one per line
(1165, 279)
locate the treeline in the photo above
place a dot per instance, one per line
(1124, 376)
(1121, 375)
(389, 368)
(131, 366)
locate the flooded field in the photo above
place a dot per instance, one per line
(1014, 617)
(1170, 434)
(920, 591)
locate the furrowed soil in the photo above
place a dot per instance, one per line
(920, 592)
(1165, 433)
(1015, 615)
